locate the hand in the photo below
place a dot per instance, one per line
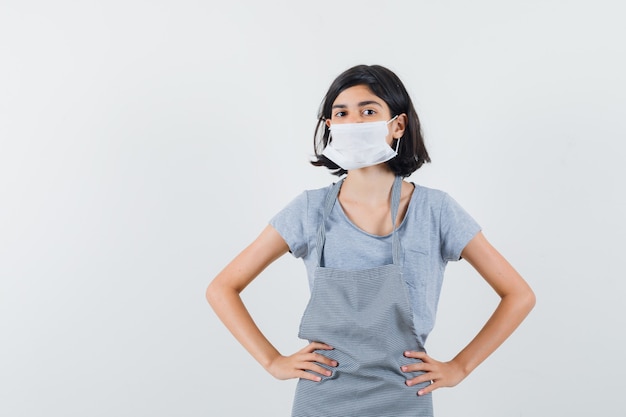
(442, 374)
(297, 365)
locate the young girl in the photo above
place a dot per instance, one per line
(375, 248)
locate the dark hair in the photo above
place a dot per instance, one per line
(386, 85)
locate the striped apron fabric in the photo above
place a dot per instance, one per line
(366, 316)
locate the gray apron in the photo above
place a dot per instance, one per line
(366, 316)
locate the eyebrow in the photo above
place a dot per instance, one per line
(361, 104)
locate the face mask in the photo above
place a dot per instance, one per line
(358, 145)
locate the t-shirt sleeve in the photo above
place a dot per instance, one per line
(457, 229)
(291, 223)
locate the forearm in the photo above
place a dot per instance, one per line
(511, 311)
(223, 294)
(516, 301)
(231, 310)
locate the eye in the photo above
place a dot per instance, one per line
(339, 114)
(369, 112)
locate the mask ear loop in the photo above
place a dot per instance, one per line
(397, 139)
(398, 143)
(393, 118)
(329, 134)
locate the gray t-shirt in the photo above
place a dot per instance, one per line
(434, 231)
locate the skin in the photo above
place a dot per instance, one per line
(364, 196)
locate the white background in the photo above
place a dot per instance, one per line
(143, 144)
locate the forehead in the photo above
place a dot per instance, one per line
(357, 94)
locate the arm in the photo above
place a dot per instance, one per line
(223, 294)
(516, 301)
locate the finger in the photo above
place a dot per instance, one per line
(417, 367)
(311, 366)
(417, 355)
(317, 357)
(316, 346)
(309, 376)
(320, 345)
(419, 379)
(427, 390)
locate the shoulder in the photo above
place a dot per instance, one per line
(318, 193)
(437, 203)
(431, 197)
(444, 210)
(315, 197)
(307, 200)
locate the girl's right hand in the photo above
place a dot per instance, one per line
(306, 359)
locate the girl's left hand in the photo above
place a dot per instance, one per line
(441, 374)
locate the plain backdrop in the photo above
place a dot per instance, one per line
(143, 144)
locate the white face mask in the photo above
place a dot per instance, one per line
(358, 145)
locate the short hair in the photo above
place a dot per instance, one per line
(385, 84)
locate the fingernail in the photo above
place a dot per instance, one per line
(420, 392)
(334, 363)
(406, 353)
(404, 368)
(318, 378)
(328, 373)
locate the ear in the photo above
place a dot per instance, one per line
(328, 123)
(399, 126)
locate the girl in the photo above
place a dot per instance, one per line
(375, 248)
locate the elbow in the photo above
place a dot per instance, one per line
(528, 300)
(211, 294)
(522, 300)
(217, 292)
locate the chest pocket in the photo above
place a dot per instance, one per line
(420, 280)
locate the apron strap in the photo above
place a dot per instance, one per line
(331, 197)
(396, 191)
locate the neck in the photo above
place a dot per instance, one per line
(371, 184)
